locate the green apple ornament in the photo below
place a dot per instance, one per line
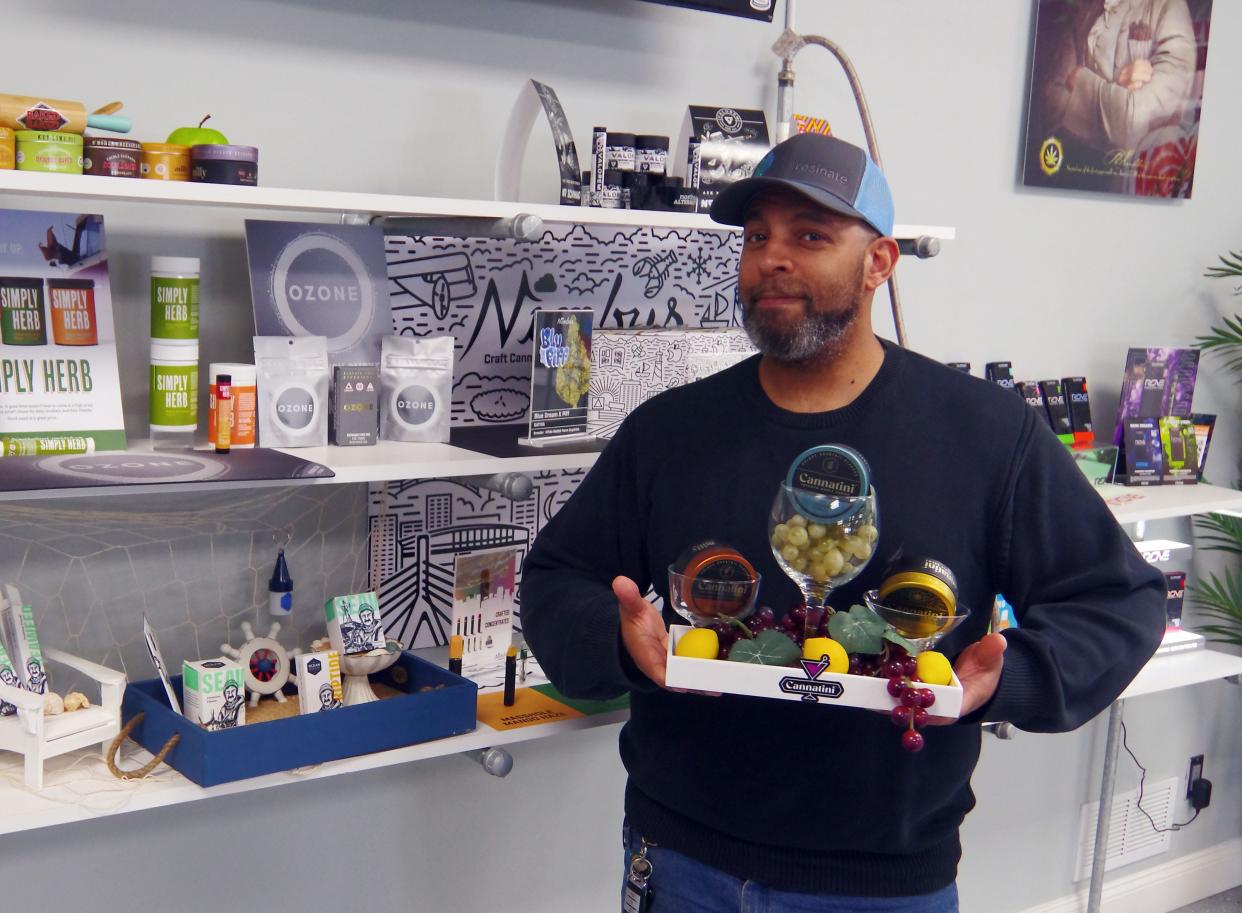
(198, 136)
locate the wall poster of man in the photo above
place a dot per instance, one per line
(1116, 95)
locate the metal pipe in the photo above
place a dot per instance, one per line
(1108, 784)
(522, 227)
(873, 147)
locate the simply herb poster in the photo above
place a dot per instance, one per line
(59, 387)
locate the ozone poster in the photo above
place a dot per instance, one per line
(1116, 95)
(59, 387)
(310, 279)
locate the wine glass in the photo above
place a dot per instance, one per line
(822, 541)
(922, 628)
(705, 598)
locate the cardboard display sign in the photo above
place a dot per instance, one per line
(561, 377)
(534, 96)
(484, 600)
(718, 146)
(313, 279)
(59, 387)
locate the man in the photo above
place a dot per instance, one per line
(1119, 70)
(735, 796)
(230, 710)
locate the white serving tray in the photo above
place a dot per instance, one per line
(800, 683)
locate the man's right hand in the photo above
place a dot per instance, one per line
(642, 630)
(1136, 74)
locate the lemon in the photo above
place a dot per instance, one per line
(818, 647)
(934, 668)
(698, 643)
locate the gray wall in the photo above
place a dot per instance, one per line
(1057, 283)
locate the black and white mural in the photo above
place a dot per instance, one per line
(670, 284)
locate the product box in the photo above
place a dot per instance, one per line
(999, 372)
(1034, 397)
(720, 145)
(23, 640)
(319, 681)
(214, 693)
(1144, 457)
(432, 703)
(1205, 424)
(808, 682)
(1175, 581)
(355, 405)
(8, 675)
(1179, 449)
(1156, 382)
(1058, 409)
(484, 603)
(1080, 408)
(354, 624)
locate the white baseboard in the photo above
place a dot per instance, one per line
(1161, 888)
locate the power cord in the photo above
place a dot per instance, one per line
(1142, 778)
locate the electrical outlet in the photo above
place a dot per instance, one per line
(1196, 774)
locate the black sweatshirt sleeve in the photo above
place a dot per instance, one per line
(570, 617)
(1090, 609)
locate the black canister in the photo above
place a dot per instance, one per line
(620, 152)
(108, 156)
(612, 196)
(217, 164)
(635, 190)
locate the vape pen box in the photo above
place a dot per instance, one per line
(430, 703)
(319, 681)
(1144, 460)
(354, 623)
(355, 405)
(1058, 409)
(1157, 381)
(1034, 397)
(214, 693)
(1075, 390)
(1097, 461)
(1205, 423)
(1179, 448)
(999, 372)
(1175, 581)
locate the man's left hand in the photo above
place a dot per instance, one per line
(978, 668)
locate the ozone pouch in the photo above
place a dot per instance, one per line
(416, 384)
(294, 377)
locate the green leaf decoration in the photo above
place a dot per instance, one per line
(1219, 599)
(891, 635)
(769, 648)
(859, 630)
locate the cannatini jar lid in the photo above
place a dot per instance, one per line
(827, 480)
(715, 578)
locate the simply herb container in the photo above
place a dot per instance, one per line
(174, 395)
(23, 321)
(53, 153)
(174, 300)
(106, 156)
(72, 305)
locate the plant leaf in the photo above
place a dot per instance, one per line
(890, 634)
(769, 648)
(859, 630)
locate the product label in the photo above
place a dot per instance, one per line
(22, 320)
(174, 396)
(42, 117)
(651, 161)
(415, 405)
(73, 314)
(620, 158)
(295, 408)
(174, 308)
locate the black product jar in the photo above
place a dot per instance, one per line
(217, 164)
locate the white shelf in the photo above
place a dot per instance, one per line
(1137, 504)
(1180, 670)
(131, 190)
(68, 796)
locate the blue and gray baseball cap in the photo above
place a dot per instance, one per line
(833, 173)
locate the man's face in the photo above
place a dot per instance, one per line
(366, 617)
(230, 693)
(802, 276)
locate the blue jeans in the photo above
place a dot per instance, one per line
(682, 885)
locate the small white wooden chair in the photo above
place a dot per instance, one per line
(38, 736)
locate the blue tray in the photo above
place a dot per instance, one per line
(210, 758)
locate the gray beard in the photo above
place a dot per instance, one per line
(818, 336)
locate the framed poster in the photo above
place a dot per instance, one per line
(1116, 94)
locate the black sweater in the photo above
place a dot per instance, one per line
(823, 799)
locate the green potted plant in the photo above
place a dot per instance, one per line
(1219, 598)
